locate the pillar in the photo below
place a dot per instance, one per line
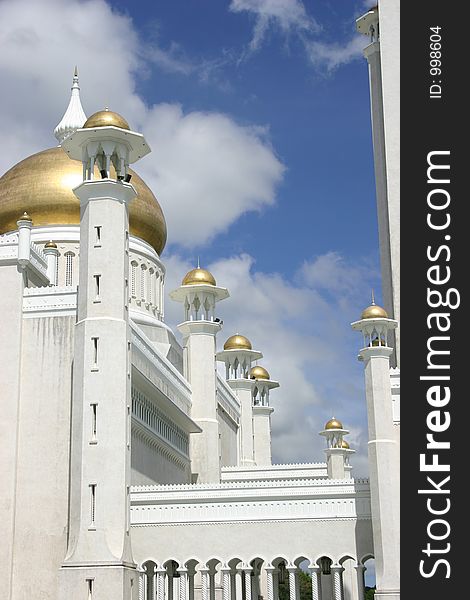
(226, 583)
(337, 574)
(247, 575)
(270, 581)
(183, 583)
(293, 587)
(360, 569)
(160, 579)
(52, 254)
(205, 583)
(315, 573)
(262, 434)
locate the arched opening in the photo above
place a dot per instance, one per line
(326, 579)
(303, 579)
(172, 579)
(369, 578)
(149, 567)
(281, 589)
(350, 578)
(258, 581)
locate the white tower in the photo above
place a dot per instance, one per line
(238, 357)
(381, 25)
(337, 450)
(384, 466)
(99, 560)
(199, 294)
(262, 415)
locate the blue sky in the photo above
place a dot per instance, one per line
(257, 112)
(319, 121)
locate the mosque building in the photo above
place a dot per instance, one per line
(130, 468)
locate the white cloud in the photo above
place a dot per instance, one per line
(291, 18)
(307, 343)
(206, 169)
(287, 15)
(332, 56)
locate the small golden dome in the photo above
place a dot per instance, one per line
(50, 244)
(106, 118)
(259, 373)
(43, 183)
(344, 444)
(378, 342)
(334, 424)
(25, 217)
(374, 312)
(198, 276)
(237, 342)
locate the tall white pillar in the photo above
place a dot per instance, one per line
(384, 466)
(205, 583)
(99, 557)
(337, 574)
(183, 583)
(262, 415)
(360, 569)
(315, 573)
(142, 577)
(293, 587)
(199, 330)
(226, 583)
(247, 574)
(385, 117)
(238, 357)
(270, 581)
(160, 575)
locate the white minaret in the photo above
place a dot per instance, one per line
(238, 357)
(99, 562)
(381, 25)
(337, 450)
(384, 467)
(199, 294)
(74, 117)
(262, 415)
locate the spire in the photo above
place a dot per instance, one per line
(74, 116)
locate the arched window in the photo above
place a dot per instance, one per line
(143, 277)
(133, 278)
(150, 297)
(69, 256)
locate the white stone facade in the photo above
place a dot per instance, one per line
(130, 469)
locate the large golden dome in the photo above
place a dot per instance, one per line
(42, 185)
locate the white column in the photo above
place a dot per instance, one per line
(315, 573)
(24, 239)
(51, 253)
(270, 581)
(360, 569)
(337, 574)
(226, 583)
(205, 583)
(239, 584)
(161, 572)
(293, 591)
(247, 575)
(142, 577)
(262, 434)
(183, 583)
